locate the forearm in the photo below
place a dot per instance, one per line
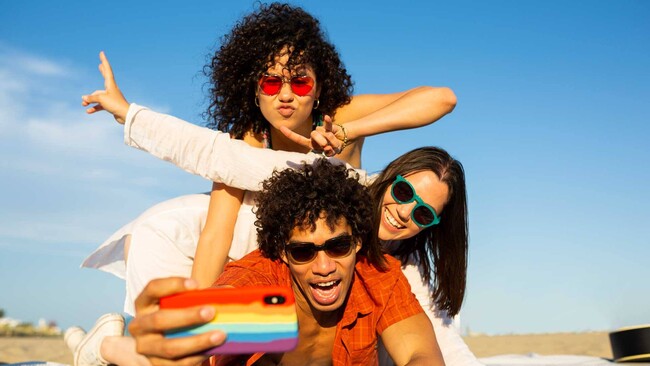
(210, 259)
(216, 237)
(207, 153)
(454, 349)
(415, 108)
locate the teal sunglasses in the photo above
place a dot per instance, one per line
(422, 215)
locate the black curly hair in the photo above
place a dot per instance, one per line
(250, 49)
(440, 250)
(298, 197)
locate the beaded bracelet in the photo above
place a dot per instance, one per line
(345, 137)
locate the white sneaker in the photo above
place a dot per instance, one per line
(73, 336)
(88, 352)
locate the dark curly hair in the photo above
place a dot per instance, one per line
(440, 250)
(250, 49)
(298, 197)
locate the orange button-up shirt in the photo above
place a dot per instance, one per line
(377, 300)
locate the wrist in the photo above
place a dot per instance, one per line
(345, 139)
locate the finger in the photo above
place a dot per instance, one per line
(327, 123)
(185, 361)
(164, 320)
(332, 140)
(295, 137)
(162, 287)
(177, 348)
(318, 141)
(106, 70)
(95, 108)
(94, 97)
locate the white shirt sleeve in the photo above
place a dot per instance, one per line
(454, 350)
(210, 154)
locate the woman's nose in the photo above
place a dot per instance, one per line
(404, 210)
(286, 94)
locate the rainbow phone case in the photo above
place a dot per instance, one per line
(255, 319)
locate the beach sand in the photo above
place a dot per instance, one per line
(582, 344)
(19, 349)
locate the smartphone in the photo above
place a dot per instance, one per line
(255, 319)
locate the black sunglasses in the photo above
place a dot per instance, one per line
(301, 253)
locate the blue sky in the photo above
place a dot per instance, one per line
(551, 126)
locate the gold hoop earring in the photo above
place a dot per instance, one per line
(317, 104)
(257, 101)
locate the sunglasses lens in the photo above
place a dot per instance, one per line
(302, 85)
(270, 85)
(423, 215)
(402, 192)
(339, 248)
(302, 254)
(334, 248)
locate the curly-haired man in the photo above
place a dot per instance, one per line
(315, 229)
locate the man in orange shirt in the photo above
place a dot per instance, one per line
(316, 234)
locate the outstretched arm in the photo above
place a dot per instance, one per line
(197, 150)
(372, 114)
(454, 350)
(412, 342)
(150, 323)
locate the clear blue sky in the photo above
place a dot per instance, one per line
(552, 126)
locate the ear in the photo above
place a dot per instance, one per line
(359, 245)
(284, 258)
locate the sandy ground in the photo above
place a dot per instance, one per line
(583, 344)
(20, 349)
(587, 344)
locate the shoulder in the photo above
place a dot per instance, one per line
(375, 279)
(254, 269)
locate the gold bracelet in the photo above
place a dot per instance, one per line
(345, 138)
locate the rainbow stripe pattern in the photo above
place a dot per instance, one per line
(252, 322)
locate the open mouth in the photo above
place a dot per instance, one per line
(326, 293)
(390, 220)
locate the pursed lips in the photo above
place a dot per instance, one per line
(286, 110)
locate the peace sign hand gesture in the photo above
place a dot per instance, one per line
(329, 139)
(110, 99)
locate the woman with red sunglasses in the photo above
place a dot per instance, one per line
(273, 81)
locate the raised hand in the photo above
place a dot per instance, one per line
(150, 323)
(110, 99)
(328, 139)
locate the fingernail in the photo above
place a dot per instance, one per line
(217, 338)
(207, 313)
(191, 284)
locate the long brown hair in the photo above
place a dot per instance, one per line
(440, 250)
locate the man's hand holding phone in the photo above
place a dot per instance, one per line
(150, 324)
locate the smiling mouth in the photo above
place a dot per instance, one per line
(391, 220)
(326, 293)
